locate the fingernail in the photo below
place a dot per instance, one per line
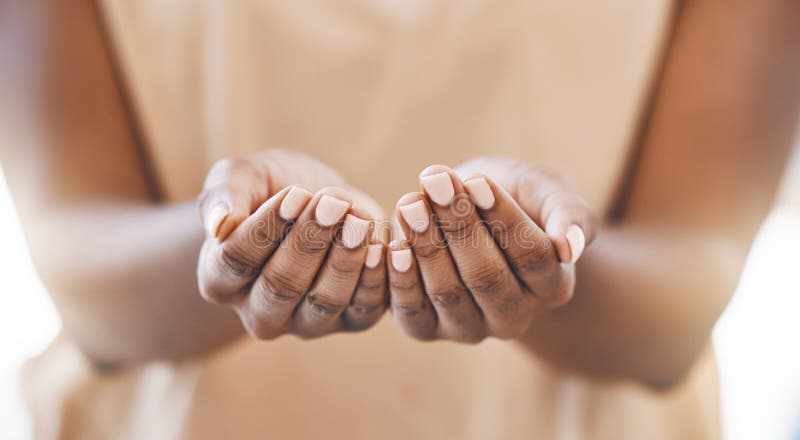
(577, 241)
(401, 259)
(374, 252)
(354, 231)
(416, 215)
(293, 203)
(217, 215)
(480, 192)
(330, 210)
(440, 188)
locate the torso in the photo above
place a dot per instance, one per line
(379, 89)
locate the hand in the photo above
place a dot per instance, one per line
(294, 261)
(478, 260)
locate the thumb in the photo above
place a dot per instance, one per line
(555, 205)
(233, 189)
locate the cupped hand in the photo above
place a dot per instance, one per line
(293, 261)
(478, 258)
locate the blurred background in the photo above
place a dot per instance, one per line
(757, 340)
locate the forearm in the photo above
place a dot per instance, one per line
(723, 120)
(124, 280)
(645, 302)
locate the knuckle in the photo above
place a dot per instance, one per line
(535, 259)
(364, 316)
(410, 310)
(309, 239)
(486, 280)
(345, 269)
(460, 231)
(428, 251)
(324, 304)
(366, 309)
(448, 298)
(371, 284)
(234, 262)
(403, 284)
(279, 288)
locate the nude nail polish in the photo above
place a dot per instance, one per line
(374, 252)
(439, 187)
(577, 241)
(354, 231)
(480, 192)
(416, 216)
(330, 210)
(401, 260)
(217, 215)
(293, 203)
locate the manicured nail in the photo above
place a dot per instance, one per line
(293, 203)
(416, 216)
(354, 231)
(401, 259)
(480, 192)
(330, 210)
(217, 215)
(374, 252)
(577, 241)
(440, 188)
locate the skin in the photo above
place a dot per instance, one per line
(649, 288)
(299, 278)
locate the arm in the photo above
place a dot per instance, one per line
(122, 269)
(101, 245)
(651, 287)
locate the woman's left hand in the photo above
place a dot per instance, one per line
(482, 256)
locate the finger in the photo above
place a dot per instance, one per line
(288, 274)
(321, 310)
(371, 296)
(527, 248)
(481, 264)
(233, 189)
(458, 314)
(226, 268)
(410, 307)
(557, 207)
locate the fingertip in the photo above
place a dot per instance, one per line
(416, 216)
(229, 224)
(577, 242)
(402, 259)
(330, 210)
(354, 231)
(294, 202)
(374, 254)
(409, 198)
(439, 187)
(480, 192)
(216, 217)
(435, 169)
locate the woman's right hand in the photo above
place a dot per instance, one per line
(290, 261)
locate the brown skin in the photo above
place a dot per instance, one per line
(650, 287)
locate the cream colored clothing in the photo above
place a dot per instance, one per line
(378, 89)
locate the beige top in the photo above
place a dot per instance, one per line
(378, 89)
